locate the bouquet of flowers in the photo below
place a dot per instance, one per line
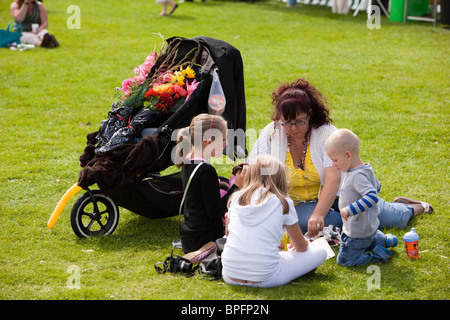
(173, 90)
(168, 87)
(159, 87)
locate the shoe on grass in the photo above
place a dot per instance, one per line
(427, 208)
(389, 254)
(200, 254)
(391, 241)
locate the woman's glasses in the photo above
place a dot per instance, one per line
(297, 123)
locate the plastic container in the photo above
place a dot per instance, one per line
(285, 241)
(411, 240)
(397, 9)
(416, 8)
(216, 100)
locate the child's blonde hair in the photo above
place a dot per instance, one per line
(268, 172)
(204, 125)
(343, 140)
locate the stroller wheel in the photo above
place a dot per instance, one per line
(94, 214)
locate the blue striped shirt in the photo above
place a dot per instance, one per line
(359, 195)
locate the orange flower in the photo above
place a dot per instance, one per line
(162, 88)
(151, 93)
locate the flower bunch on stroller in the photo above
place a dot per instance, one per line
(161, 87)
(175, 89)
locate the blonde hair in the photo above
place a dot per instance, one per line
(343, 140)
(206, 125)
(268, 172)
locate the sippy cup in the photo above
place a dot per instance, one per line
(411, 240)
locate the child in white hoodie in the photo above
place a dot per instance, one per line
(257, 218)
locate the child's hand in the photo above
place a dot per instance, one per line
(344, 214)
(240, 177)
(238, 168)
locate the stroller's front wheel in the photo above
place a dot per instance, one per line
(94, 214)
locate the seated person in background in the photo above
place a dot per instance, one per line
(32, 16)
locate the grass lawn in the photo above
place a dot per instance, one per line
(391, 86)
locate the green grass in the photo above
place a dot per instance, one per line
(390, 86)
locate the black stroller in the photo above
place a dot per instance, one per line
(127, 171)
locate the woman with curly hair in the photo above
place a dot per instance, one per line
(301, 125)
(296, 136)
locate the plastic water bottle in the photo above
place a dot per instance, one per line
(411, 240)
(216, 100)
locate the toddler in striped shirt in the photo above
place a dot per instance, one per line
(362, 242)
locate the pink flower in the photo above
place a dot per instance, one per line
(126, 87)
(191, 87)
(167, 77)
(140, 78)
(149, 62)
(152, 57)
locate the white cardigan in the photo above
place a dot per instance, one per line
(273, 141)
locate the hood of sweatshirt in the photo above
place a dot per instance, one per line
(255, 213)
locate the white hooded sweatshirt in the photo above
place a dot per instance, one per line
(251, 252)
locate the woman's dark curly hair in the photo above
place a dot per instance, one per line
(291, 99)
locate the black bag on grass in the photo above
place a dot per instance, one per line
(211, 267)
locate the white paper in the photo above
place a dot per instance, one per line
(322, 242)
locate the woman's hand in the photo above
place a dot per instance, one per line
(327, 197)
(315, 225)
(17, 13)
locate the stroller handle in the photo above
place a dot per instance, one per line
(61, 204)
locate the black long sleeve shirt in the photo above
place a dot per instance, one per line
(203, 207)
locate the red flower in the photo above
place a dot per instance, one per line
(151, 93)
(178, 90)
(165, 102)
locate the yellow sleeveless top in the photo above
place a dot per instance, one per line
(299, 187)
